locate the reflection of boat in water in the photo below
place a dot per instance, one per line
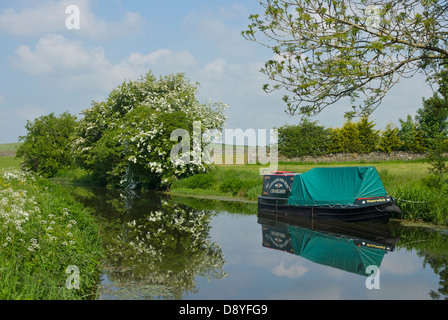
(347, 246)
(338, 194)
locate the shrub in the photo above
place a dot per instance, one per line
(368, 136)
(253, 192)
(354, 137)
(411, 136)
(418, 202)
(306, 138)
(389, 140)
(198, 181)
(237, 186)
(47, 146)
(432, 117)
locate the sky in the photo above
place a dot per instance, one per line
(47, 66)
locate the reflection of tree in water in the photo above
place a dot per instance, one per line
(156, 244)
(432, 246)
(156, 247)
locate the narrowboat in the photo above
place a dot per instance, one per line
(331, 193)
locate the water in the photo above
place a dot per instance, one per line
(161, 247)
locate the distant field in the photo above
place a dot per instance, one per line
(8, 149)
(7, 155)
(9, 146)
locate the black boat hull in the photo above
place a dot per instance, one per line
(373, 212)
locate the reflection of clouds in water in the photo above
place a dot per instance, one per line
(401, 262)
(337, 274)
(241, 268)
(292, 272)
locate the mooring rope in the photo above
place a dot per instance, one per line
(409, 201)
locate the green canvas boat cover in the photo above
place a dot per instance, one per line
(337, 252)
(335, 186)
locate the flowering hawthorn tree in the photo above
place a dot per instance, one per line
(126, 140)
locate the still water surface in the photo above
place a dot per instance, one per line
(161, 247)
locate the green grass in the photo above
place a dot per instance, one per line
(44, 231)
(9, 162)
(7, 155)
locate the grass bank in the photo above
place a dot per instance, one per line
(49, 243)
(404, 180)
(9, 162)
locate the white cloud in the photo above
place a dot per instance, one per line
(55, 53)
(69, 64)
(400, 263)
(94, 27)
(215, 68)
(61, 62)
(49, 16)
(166, 59)
(294, 271)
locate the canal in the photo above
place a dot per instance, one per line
(162, 247)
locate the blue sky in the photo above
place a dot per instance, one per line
(46, 67)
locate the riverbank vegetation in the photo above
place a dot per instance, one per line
(50, 247)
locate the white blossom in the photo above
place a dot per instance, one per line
(145, 140)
